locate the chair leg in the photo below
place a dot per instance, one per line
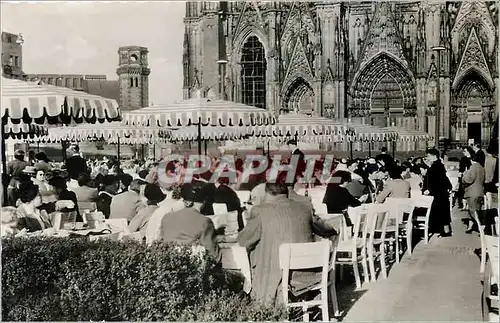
(334, 301)
(305, 313)
(426, 233)
(397, 245)
(324, 306)
(483, 259)
(383, 268)
(364, 265)
(409, 238)
(356, 274)
(371, 263)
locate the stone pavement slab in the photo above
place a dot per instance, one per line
(440, 281)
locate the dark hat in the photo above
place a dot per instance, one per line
(292, 142)
(194, 192)
(110, 180)
(153, 193)
(19, 152)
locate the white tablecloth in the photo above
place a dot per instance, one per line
(235, 257)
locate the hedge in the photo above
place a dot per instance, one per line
(55, 279)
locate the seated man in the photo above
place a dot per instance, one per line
(189, 226)
(127, 204)
(279, 220)
(85, 193)
(396, 186)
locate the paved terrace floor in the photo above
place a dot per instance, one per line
(440, 281)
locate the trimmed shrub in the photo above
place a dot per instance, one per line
(77, 280)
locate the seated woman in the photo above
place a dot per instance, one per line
(153, 195)
(42, 162)
(110, 186)
(337, 198)
(63, 194)
(46, 190)
(34, 215)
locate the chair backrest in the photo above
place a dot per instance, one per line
(82, 206)
(320, 209)
(244, 196)
(360, 221)
(220, 208)
(423, 201)
(60, 219)
(232, 223)
(378, 215)
(299, 256)
(402, 204)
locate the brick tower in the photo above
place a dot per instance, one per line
(133, 73)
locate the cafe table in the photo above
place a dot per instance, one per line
(235, 257)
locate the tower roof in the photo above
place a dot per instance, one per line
(133, 47)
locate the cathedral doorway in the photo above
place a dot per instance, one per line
(253, 73)
(383, 91)
(299, 97)
(472, 109)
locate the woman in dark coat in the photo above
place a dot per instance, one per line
(437, 184)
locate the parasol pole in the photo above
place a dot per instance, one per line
(268, 149)
(205, 144)
(199, 136)
(118, 150)
(370, 149)
(350, 148)
(4, 166)
(394, 149)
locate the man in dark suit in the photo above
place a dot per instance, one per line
(479, 153)
(385, 158)
(75, 165)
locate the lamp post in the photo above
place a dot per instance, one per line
(222, 74)
(437, 131)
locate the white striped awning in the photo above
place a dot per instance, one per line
(23, 130)
(110, 132)
(207, 111)
(34, 103)
(411, 135)
(361, 132)
(316, 139)
(304, 127)
(209, 133)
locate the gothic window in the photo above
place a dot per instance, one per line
(75, 83)
(136, 82)
(253, 73)
(131, 82)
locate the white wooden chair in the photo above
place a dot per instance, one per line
(244, 196)
(220, 208)
(355, 245)
(232, 224)
(83, 206)
(482, 237)
(490, 301)
(320, 209)
(302, 256)
(422, 222)
(377, 217)
(405, 226)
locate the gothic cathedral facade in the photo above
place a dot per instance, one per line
(387, 63)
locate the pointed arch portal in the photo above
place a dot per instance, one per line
(299, 97)
(473, 110)
(382, 88)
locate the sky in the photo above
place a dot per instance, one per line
(83, 38)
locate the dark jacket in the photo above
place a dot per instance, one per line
(76, 165)
(338, 199)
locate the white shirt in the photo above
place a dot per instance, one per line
(153, 229)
